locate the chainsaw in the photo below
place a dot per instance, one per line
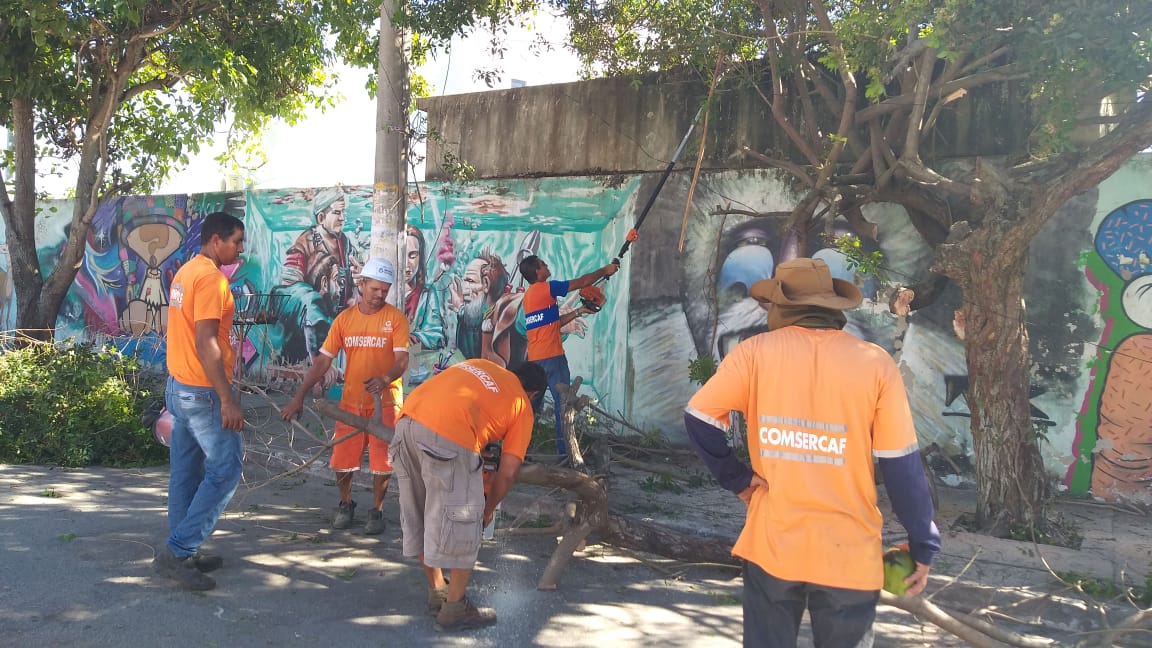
(592, 298)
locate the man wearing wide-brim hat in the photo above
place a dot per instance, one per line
(820, 404)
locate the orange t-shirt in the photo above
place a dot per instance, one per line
(199, 291)
(819, 404)
(542, 319)
(473, 403)
(370, 344)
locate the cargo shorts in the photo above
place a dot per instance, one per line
(441, 489)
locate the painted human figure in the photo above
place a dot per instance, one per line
(473, 297)
(422, 307)
(317, 277)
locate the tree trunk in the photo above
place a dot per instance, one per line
(1010, 476)
(20, 223)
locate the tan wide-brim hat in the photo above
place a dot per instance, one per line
(807, 282)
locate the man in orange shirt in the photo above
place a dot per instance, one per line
(543, 321)
(206, 450)
(374, 339)
(820, 404)
(443, 426)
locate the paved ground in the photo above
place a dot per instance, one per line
(76, 547)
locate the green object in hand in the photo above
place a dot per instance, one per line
(898, 565)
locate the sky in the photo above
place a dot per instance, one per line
(337, 146)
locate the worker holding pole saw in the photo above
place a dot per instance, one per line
(543, 320)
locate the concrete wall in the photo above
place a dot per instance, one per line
(622, 125)
(1090, 310)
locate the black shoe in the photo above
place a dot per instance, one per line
(181, 570)
(207, 562)
(345, 514)
(375, 525)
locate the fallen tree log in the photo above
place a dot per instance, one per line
(332, 410)
(653, 538)
(592, 516)
(621, 530)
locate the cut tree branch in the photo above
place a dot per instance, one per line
(776, 102)
(904, 101)
(920, 95)
(848, 80)
(791, 167)
(164, 83)
(1079, 172)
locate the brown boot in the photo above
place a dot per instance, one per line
(181, 570)
(436, 599)
(462, 615)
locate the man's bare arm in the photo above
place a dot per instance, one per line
(583, 281)
(212, 360)
(321, 363)
(379, 384)
(501, 483)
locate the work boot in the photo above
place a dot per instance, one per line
(436, 599)
(345, 513)
(462, 615)
(206, 562)
(181, 570)
(375, 525)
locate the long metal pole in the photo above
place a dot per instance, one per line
(663, 178)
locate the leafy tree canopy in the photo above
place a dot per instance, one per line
(159, 74)
(1069, 52)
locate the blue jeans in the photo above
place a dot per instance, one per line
(841, 618)
(556, 369)
(206, 463)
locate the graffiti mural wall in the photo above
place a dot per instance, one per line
(1113, 443)
(304, 246)
(683, 293)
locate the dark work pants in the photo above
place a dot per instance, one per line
(841, 618)
(556, 370)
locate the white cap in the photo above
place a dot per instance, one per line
(378, 269)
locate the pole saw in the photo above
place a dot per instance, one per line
(592, 297)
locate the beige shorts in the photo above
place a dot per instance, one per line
(441, 496)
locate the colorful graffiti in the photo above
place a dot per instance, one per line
(304, 247)
(1114, 445)
(670, 305)
(464, 246)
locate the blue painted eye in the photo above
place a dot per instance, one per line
(746, 265)
(838, 265)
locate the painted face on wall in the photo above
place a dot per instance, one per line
(411, 257)
(472, 283)
(332, 218)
